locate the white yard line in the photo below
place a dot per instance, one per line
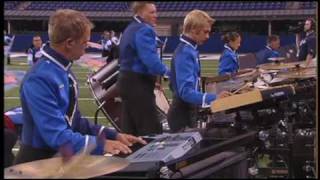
(81, 72)
(92, 117)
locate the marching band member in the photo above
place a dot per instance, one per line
(34, 53)
(51, 117)
(270, 51)
(139, 66)
(185, 72)
(228, 62)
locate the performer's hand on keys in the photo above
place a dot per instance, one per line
(128, 139)
(115, 147)
(224, 94)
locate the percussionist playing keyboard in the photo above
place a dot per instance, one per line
(185, 72)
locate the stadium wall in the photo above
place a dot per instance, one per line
(250, 43)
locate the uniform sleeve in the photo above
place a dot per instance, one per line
(49, 119)
(225, 64)
(30, 56)
(145, 42)
(275, 54)
(186, 82)
(84, 126)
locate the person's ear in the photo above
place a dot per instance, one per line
(194, 31)
(198, 30)
(69, 43)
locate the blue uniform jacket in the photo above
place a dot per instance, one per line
(185, 77)
(138, 50)
(35, 55)
(228, 62)
(50, 109)
(266, 53)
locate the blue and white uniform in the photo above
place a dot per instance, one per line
(138, 50)
(266, 53)
(185, 85)
(34, 54)
(229, 61)
(51, 116)
(139, 65)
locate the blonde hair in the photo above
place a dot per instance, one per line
(67, 23)
(138, 5)
(196, 19)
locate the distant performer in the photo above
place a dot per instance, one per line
(8, 41)
(229, 60)
(270, 51)
(114, 49)
(106, 44)
(34, 53)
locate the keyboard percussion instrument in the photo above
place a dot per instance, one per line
(279, 102)
(268, 108)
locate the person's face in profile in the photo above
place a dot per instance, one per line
(37, 41)
(236, 43)
(106, 35)
(149, 14)
(201, 35)
(307, 25)
(78, 47)
(275, 44)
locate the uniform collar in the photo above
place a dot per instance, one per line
(229, 48)
(268, 47)
(138, 19)
(56, 57)
(160, 43)
(188, 41)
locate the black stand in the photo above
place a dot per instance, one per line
(108, 117)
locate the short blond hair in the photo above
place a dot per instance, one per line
(196, 19)
(67, 23)
(138, 5)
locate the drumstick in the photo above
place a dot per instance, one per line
(244, 86)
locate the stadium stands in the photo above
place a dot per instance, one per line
(81, 6)
(213, 5)
(308, 5)
(11, 5)
(161, 6)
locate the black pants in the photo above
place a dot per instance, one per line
(8, 59)
(109, 58)
(139, 113)
(28, 153)
(10, 139)
(181, 115)
(105, 53)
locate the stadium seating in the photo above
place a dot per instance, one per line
(161, 5)
(11, 5)
(182, 6)
(308, 5)
(82, 6)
